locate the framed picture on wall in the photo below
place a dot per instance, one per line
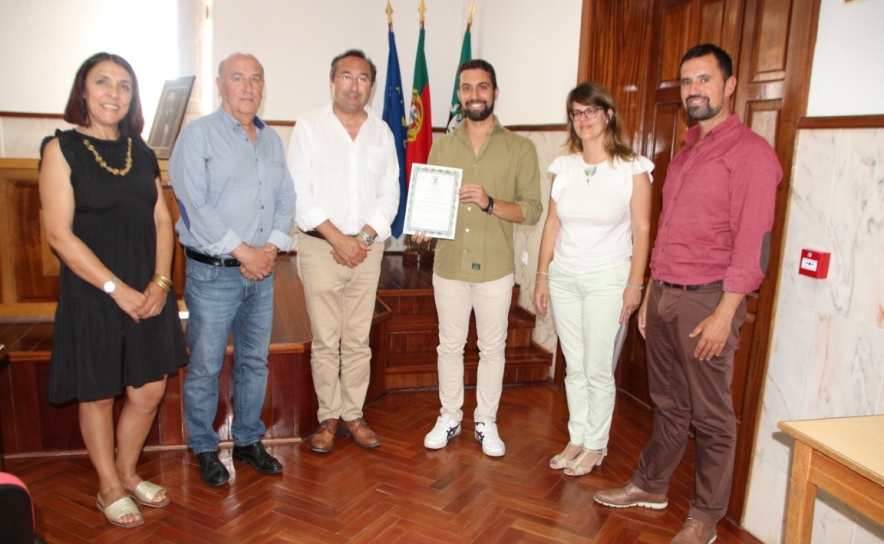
(170, 114)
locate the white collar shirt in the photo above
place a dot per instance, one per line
(349, 182)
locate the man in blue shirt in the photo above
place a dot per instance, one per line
(237, 205)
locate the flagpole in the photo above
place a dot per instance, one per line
(469, 19)
(420, 136)
(389, 11)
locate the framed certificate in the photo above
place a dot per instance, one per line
(432, 201)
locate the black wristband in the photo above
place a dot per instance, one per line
(490, 207)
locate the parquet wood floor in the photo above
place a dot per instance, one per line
(400, 492)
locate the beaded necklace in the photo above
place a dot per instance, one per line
(101, 161)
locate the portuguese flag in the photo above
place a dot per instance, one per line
(420, 125)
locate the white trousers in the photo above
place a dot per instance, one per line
(586, 309)
(491, 303)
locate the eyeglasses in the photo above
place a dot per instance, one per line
(590, 113)
(348, 78)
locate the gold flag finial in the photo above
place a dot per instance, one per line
(422, 9)
(470, 18)
(389, 11)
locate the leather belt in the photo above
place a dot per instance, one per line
(208, 259)
(317, 234)
(688, 287)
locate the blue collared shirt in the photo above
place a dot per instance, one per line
(228, 190)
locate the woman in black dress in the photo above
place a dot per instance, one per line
(117, 330)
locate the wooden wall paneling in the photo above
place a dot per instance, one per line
(178, 259)
(36, 266)
(778, 43)
(377, 383)
(676, 20)
(847, 121)
(307, 402)
(170, 413)
(619, 57)
(7, 286)
(4, 363)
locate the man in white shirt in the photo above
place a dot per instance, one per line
(346, 173)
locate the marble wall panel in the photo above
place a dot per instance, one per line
(827, 345)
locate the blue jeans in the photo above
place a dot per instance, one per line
(220, 300)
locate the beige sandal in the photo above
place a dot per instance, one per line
(575, 467)
(117, 510)
(559, 461)
(146, 492)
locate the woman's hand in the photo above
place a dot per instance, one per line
(541, 297)
(129, 300)
(632, 297)
(155, 299)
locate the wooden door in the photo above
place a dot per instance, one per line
(771, 43)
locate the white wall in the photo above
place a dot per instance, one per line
(848, 70)
(45, 41)
(533, 46)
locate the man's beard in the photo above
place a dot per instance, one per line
(479, 115)
(702, 113)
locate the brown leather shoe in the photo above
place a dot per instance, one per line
(324, 438)
(695, 531)
(362, 435)
(629, 495)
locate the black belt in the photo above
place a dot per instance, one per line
(208, 259)
(688, 287)
(317, 234)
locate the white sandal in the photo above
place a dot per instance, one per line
(118, 509)
(559, 461)
(575, 465)
(146, 492)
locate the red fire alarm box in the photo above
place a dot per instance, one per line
(814, 264)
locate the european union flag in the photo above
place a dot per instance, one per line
(394, 116)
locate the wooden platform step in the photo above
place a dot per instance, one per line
(418, 369)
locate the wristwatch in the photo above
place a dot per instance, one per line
(110, 285)
(366, 237)
(490, 207)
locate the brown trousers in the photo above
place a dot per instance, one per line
(689, 392)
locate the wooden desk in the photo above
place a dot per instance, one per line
(842, 456)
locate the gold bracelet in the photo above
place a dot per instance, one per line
(541, 280)
(162, 281)
(162, 278)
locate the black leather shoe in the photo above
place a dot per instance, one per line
(212, 470)
(257, 456)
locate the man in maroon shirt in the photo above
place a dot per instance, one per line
(711, 250)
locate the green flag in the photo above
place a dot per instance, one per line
(455, 115)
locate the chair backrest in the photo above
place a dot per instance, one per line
(16, 511)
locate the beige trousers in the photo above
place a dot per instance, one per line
(340, 302)
(455, 300)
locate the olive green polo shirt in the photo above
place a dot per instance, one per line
(507, 168)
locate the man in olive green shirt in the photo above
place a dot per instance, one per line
(474, 271)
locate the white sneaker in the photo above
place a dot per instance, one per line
(492, 445)
(444, 430)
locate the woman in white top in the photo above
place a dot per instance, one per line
(592, 263)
